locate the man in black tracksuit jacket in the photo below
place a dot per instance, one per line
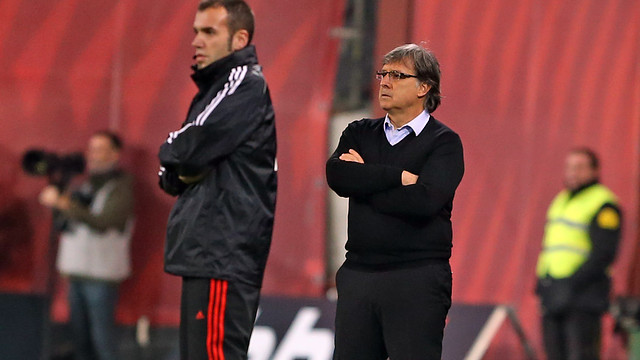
(221, 164)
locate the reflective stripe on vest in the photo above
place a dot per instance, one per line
(566, 245)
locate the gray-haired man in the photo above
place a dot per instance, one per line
(400, 173)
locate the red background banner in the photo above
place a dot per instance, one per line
(69, 68)
(524, 82)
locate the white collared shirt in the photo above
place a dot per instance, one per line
(416, 125)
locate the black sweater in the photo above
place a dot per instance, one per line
(391, 225)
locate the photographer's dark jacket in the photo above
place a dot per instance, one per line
(96, 239)
(221, 226)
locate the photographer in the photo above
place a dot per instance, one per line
(94, 245)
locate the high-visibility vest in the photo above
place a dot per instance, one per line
(566, 245)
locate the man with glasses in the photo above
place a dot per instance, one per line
(400, 173)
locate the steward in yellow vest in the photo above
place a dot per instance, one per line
(580, 242)
(569, 257)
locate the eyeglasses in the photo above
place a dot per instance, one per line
(393, 75)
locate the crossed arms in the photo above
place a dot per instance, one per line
(188, 154)
(392, 190)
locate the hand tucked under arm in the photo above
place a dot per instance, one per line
(435, 185)
(169, 182)
(409, 178)
(192, 179)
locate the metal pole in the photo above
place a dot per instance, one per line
(355, 78)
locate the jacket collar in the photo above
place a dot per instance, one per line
(583, 187)
(206, 76)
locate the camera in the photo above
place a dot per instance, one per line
(58, 168)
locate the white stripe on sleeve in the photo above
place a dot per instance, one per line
(235, 78)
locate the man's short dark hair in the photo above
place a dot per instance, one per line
(594, 161)
(426, 66)
(114, 138)
(239, 14)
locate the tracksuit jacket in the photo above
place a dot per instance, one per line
(221, 226)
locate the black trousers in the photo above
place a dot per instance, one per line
(574, 335)
(398, 314)
(216, 319)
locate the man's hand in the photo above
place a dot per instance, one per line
(192, 179)
(169, 182)
(51, 197)
(409, 178)
(352, 156)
